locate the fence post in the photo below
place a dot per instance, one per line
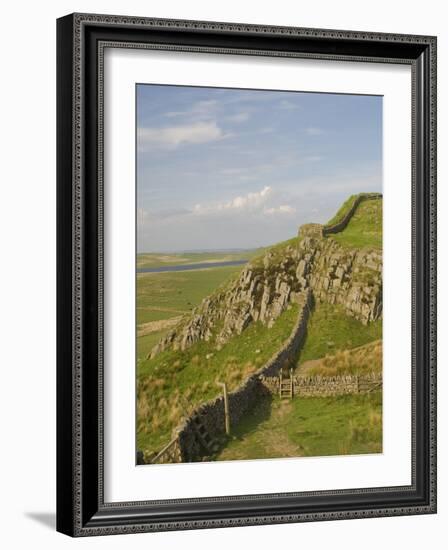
(226, 407)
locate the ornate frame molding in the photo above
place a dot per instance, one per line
(81, 42)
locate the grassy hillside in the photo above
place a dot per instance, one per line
(361, 360)
(174, 382)
(342, 210)
(330, 330)
(365, 229)
(192, 376)
(277, 252)
(318, 426)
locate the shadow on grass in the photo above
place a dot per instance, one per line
(260, 413)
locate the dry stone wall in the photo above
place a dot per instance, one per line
(320, 386)
(186, 445)
(342, 224)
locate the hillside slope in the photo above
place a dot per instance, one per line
(235, 330)
(335, 272)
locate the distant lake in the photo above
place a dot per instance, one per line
(190, 267)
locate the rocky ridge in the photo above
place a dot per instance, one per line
(267, 286)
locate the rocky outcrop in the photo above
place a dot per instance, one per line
(261, 293)
(351, 278)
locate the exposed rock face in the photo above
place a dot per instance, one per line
(349, 277)
(261, 293)
(264, 289)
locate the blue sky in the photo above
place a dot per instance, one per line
(224, 168)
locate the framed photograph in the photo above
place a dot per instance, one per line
(246, 274)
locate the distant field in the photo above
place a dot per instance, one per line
(163, 296)
(365, 229)
(316, 426)
(161, 260)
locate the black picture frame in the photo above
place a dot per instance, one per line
(81, 510)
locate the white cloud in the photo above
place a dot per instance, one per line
(312, 131)
(205, 108)
(238, 117)
(312, 158)
(173, 136)
(287, 105)
(246, 203)
(252, 203)
(282, 209)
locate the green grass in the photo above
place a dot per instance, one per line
(147, 342)
(360, 361)
(162, 260)
(365, 229)
(316, 426)
(192, 376)
(342, 210)
(330, 329)
(277, 252)
(166, 295)
(162, 296)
